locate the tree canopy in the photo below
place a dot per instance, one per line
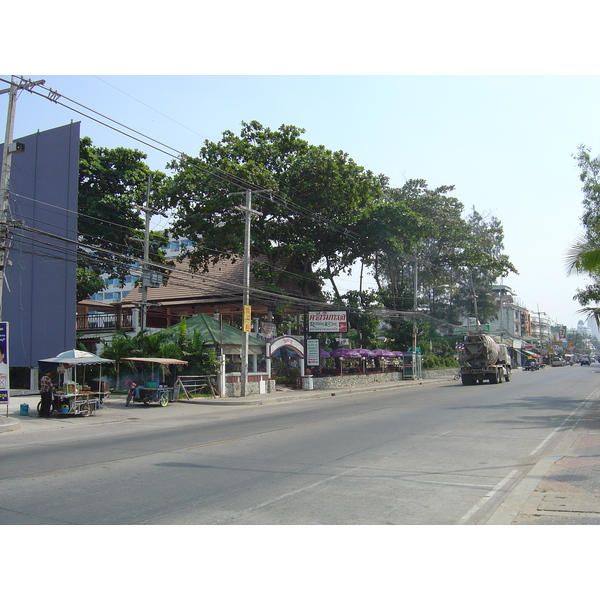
(317, 201)
(317, 214)
(584, 255)
(112, 185)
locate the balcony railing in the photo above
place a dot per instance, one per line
(108, 321)
(103, 321)
(158, 320)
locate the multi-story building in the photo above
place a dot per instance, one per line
(116, 290)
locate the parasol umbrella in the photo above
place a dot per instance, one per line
(324, 353)
(380, 352)
(365, 353)
(345, 353)
(73, 358)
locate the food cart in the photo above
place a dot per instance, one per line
(77, 403)
(151, 391)
(70, 397)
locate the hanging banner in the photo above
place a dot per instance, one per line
(4, 383)
(247, 319)
(328, 321)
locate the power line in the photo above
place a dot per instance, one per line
(225, 176)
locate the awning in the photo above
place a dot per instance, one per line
(159, 360)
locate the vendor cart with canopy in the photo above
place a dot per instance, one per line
(70, 397)
(151, 390)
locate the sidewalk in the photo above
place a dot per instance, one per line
(115, 404)
(562, 489)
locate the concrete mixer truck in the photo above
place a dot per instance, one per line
(483, 359)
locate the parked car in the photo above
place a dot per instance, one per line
(585, 360)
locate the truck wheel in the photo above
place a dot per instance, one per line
(507, 376)
(493, 378)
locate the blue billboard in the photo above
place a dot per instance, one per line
(39, 295)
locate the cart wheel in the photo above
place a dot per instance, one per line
(164, 399)
(39, 408)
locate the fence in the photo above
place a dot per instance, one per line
(192, 385)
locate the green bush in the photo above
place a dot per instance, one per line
(437, 362)
(287, 376)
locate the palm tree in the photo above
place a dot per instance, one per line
(583, 257)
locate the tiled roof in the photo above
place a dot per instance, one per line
(223, 282)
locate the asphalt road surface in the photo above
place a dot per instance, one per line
(436, 454)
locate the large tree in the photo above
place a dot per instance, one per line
(112, 186)
(311, 215)
(584, 255)
(455, 258)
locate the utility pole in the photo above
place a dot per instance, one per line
(541, 342)
(146, 255)
(415, 307)
(245, 334)
(474, 296)
(147, 209)
(9, 149)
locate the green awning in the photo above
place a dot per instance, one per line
(221, 335)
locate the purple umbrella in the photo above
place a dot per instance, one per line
(345, 353)
(365, 353)
(383, 353)
(324, 353)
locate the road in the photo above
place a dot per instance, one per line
(436, 454)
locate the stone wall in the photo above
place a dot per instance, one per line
(326, 383)
(439, 373)
(233, 389)
(330, 383)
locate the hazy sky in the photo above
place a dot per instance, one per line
(505, 140)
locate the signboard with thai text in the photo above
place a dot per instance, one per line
(247, 319)
(312, 353)
(4, 383)
(328, 321)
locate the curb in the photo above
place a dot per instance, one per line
(314, 394)
(12, 424)
(9, 424)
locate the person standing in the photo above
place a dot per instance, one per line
(46, 387)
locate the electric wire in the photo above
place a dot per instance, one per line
(223, 175)
(215, 171)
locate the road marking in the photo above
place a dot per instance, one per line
(214, 444)
(585, 404)
(488, 497)
(240, 439)
(300, 490)
(71, 470)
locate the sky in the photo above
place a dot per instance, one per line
(498, 113)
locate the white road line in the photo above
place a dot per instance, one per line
(585, 404)
(487, 497)
(300, 490)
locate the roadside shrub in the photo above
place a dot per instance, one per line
(438, 362)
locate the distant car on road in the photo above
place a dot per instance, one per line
(557, 361)
(584, 360)
(531, 365)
